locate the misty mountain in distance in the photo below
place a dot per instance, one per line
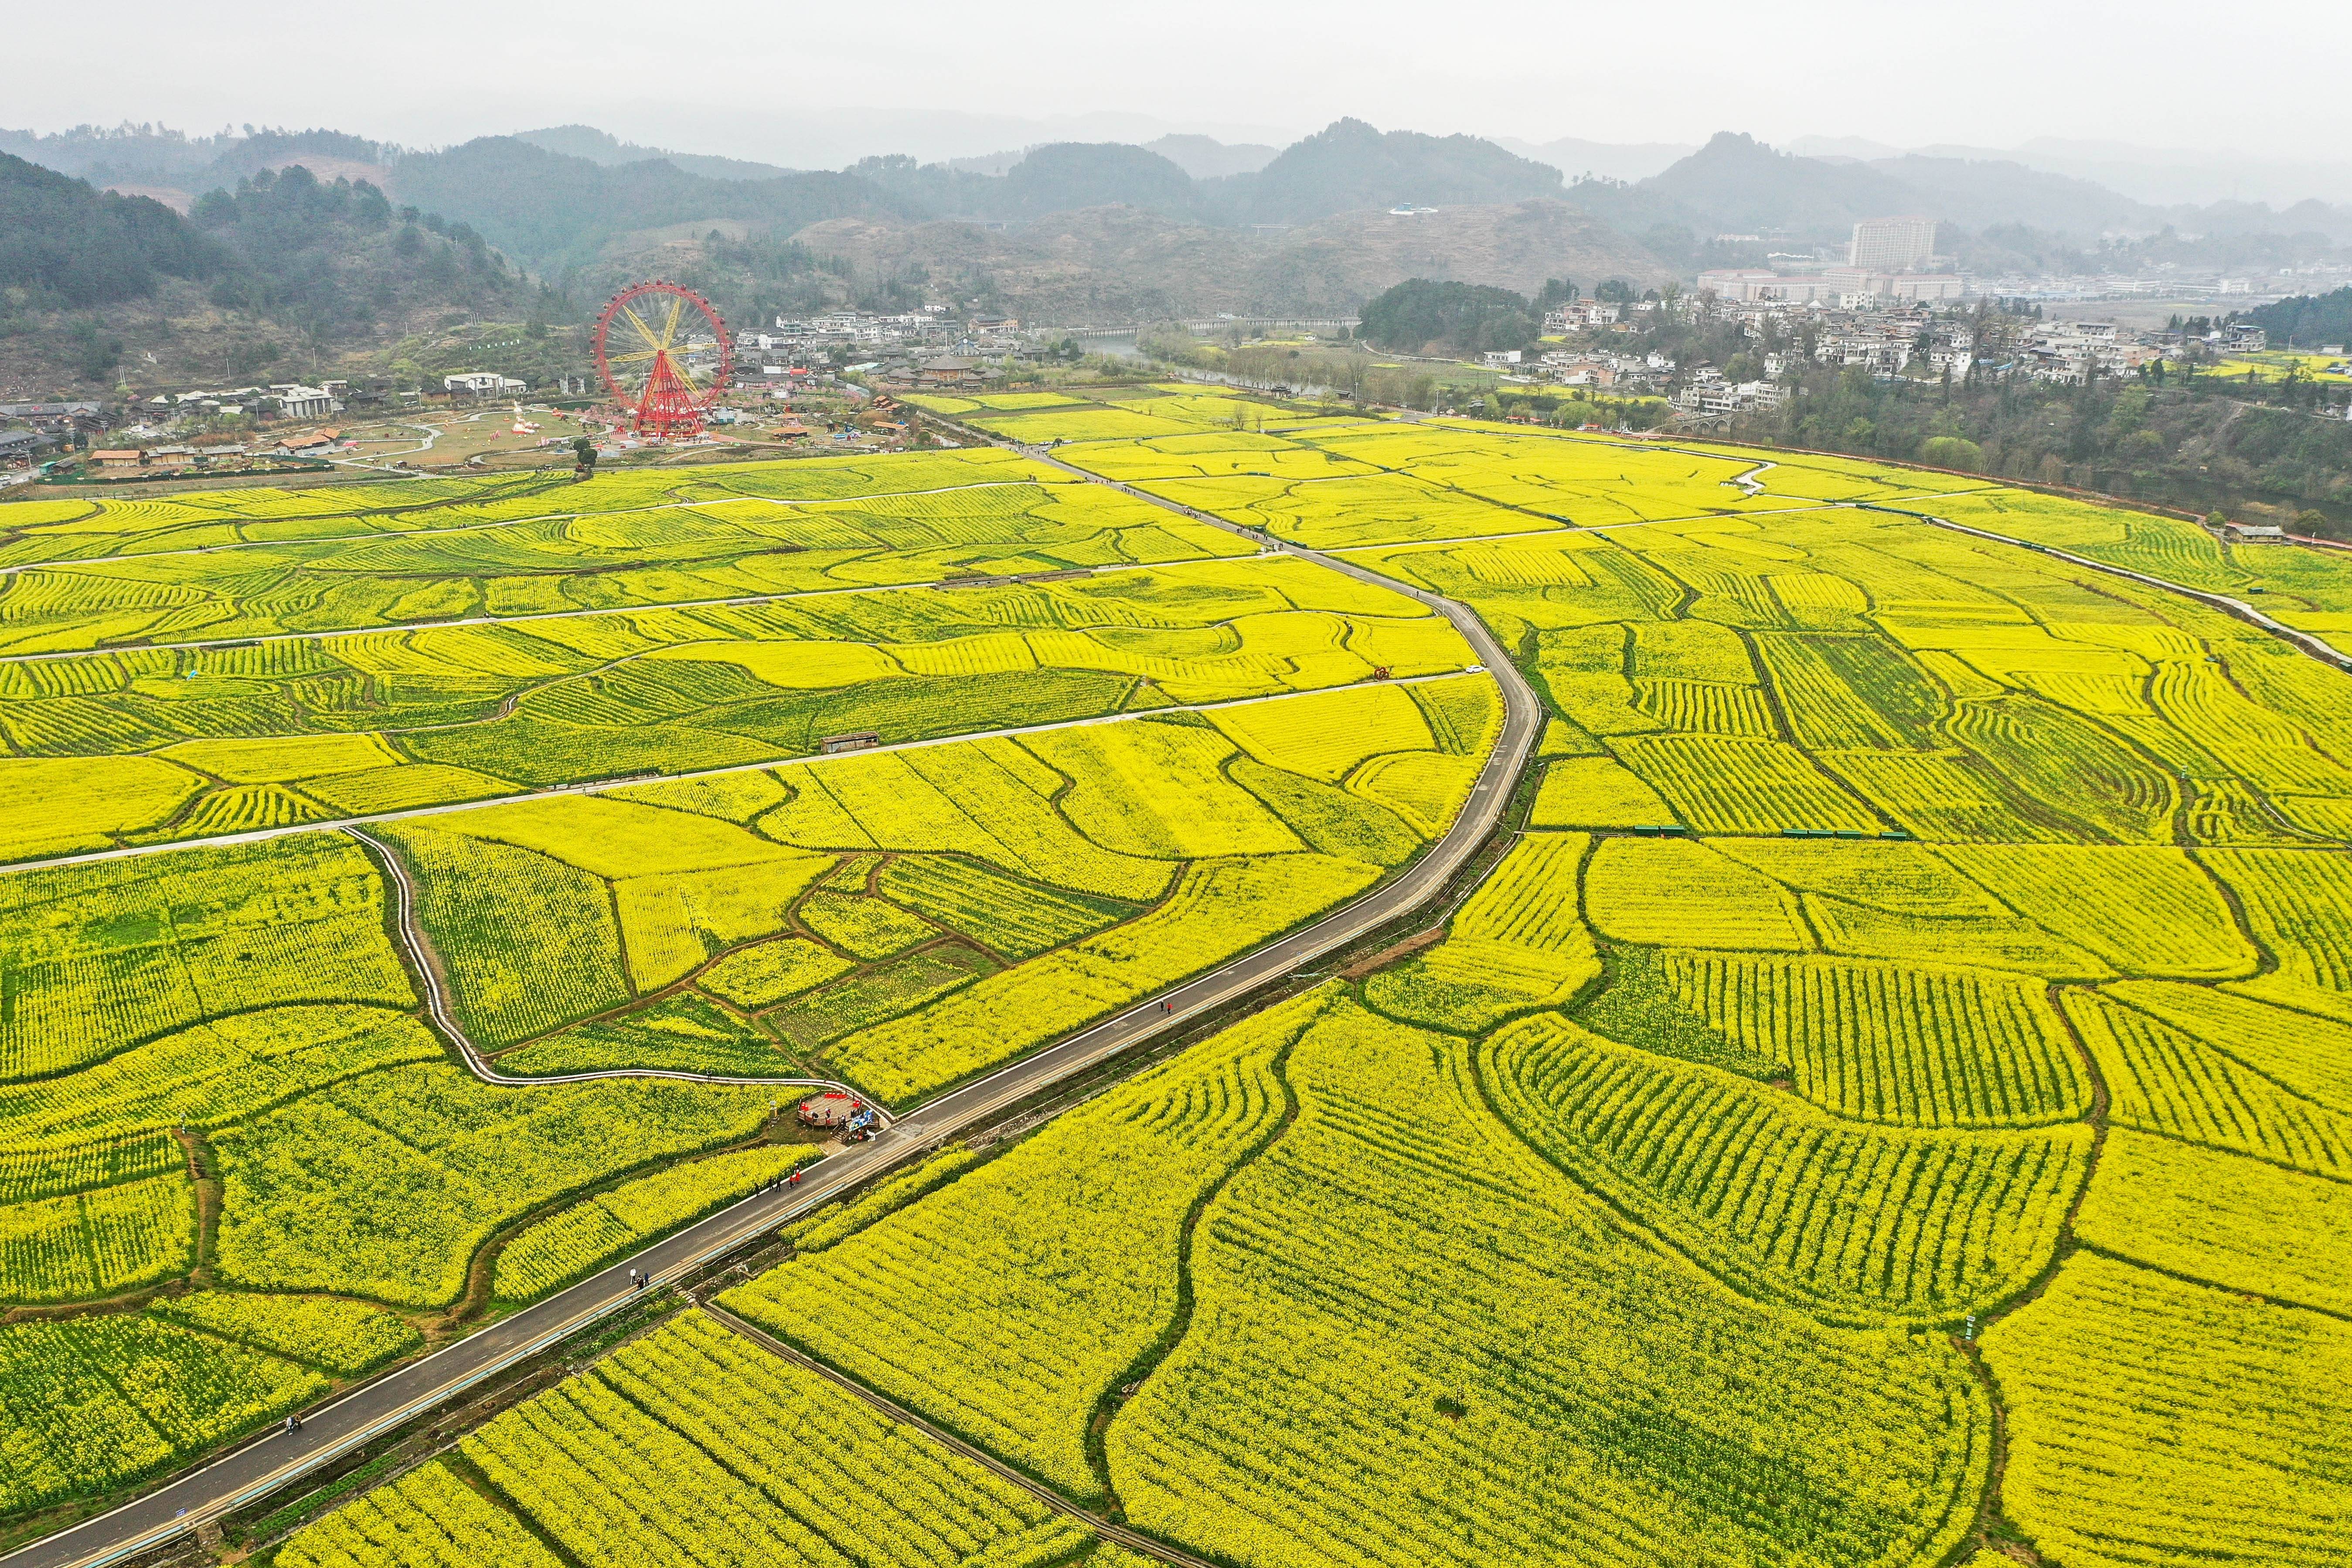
(554, 210)
(986, 164)
(2156, 177)
(1123, 264)
(174, 168)
(1580, 159)
(834, 139)
(1739, 185)
(1206, 158)
(1349, 165)
(1735, 185)
(557, 209)
(603, 147)
(1068, 176)
(1112, 230)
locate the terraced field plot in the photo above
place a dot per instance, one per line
(140, 572)
(1911, 932)
(1819, 1041)
(213, 1067)
(908, 918)
(200, 742)
(691, 1445)
(2305, 588)
(1310, 1407)
(1347, 483)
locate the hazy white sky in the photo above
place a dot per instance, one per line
(807, 84)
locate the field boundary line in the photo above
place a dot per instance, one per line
(2308, 642)
(1117, 1534)
(1610, 526)
(640, 781)
(2268, 1298)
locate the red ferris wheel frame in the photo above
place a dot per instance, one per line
(653, 319)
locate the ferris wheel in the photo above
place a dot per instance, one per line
(663, 350)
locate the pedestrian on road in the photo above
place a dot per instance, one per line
(795, 1178)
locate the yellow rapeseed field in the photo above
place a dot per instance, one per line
(1909, 999)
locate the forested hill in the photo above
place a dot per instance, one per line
(2307, 321)
(167, 160)
(335, 255)
(551, 209)
(70, 246)
(284, 264)
(1349, 166)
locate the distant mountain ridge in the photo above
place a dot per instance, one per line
(1580, 159)
(1737, 184)
(556, 197)
(603, 147)
(553, 210)
(187, 166)
(537, 197)
(1206, 158)
(1351, 166)
(1109, 265)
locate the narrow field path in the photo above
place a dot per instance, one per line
(635, 781)
(425, 964)
(273, 1459)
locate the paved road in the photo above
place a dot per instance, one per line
(280, 1458)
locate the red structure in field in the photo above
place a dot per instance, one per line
(663, 349)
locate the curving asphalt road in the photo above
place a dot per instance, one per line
(277, 1458)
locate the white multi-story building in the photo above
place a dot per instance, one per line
(1893, 244)
(2071, 352)
(297, 402)
(1878, 349)
(1708, 393)
(1582, 313)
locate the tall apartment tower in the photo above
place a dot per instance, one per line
(1894, 244)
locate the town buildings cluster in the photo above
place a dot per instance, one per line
(864, 340)
(1846, 318)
